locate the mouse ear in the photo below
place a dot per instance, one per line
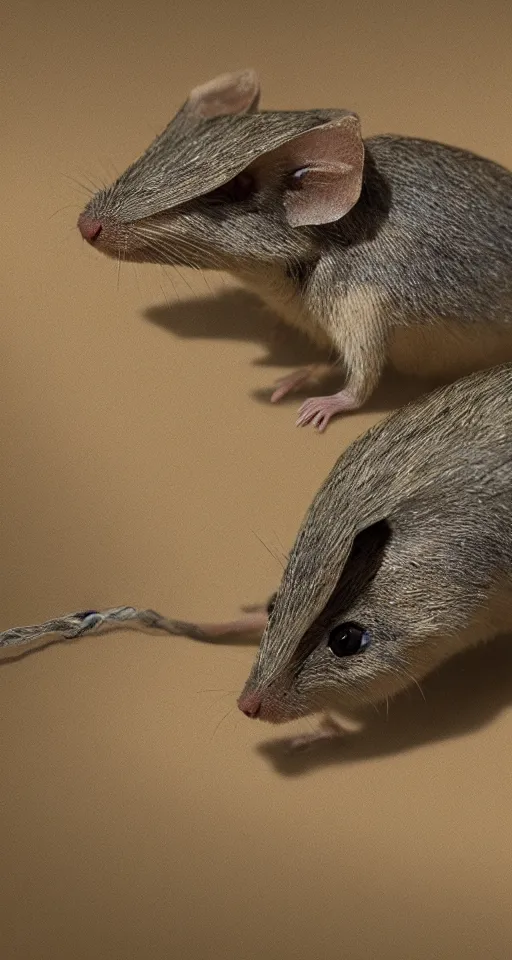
(325, 172)
(227, 94)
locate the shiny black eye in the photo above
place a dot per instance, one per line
(271, 603)
(347, 639)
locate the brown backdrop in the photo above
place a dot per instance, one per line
(139, 818)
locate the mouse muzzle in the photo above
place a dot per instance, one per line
(111, 237)
(273, 704)
(89, 227)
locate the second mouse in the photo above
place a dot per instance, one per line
(390, 249)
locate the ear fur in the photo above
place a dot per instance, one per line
(227, 94)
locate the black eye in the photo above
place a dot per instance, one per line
(243, 186)
(237, 190)
(347, 639)
(271, 603)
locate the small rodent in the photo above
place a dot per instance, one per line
(391, 249)
(403, 559)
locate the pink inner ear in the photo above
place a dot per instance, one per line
(329, 173)
(297, 177)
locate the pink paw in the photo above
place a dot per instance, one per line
(319, 410)
(291, 382)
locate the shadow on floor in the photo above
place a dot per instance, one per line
(240, 316)
(466, 693)
(462, 696)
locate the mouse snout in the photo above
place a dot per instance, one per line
(250, 704)
(89, 228)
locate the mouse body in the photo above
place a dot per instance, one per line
(404, 557)
(391, 249)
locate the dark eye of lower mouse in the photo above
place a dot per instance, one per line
(347, 639)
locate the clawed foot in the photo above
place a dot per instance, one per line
(319, 410)
(329, 730)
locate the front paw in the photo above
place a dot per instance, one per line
(319, 410)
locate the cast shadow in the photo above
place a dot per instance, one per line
(465, 694)
(237, 315)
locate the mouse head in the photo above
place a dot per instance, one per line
(385, 575)
(382, 626)
(226, 183)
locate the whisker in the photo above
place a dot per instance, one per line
(201, 271)
(137, 279)
(184, 245)
(416, 683)
(96, 186)
(77, 183)
(284, 554)
(184, 279)
(267, 548)
(226, 715)
(401, 671)
(281, 544)
(222, 697)
(61, 210)
(206, 281)
(166, 298)
(203, 275)
(113, 173)
(159, 260)
(168, 275)
(214, 259)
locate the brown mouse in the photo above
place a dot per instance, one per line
(388, 249)
(403, 559)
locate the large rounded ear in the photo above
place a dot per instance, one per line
(227, 94)
(324, 171)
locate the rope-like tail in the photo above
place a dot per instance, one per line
(74, 625)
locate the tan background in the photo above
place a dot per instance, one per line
(138, 816)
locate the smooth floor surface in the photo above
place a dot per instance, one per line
(141, 815)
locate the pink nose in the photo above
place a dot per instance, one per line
(250, 704)
(89, 228)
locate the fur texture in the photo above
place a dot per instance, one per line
(411, 537)
(417, 271)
